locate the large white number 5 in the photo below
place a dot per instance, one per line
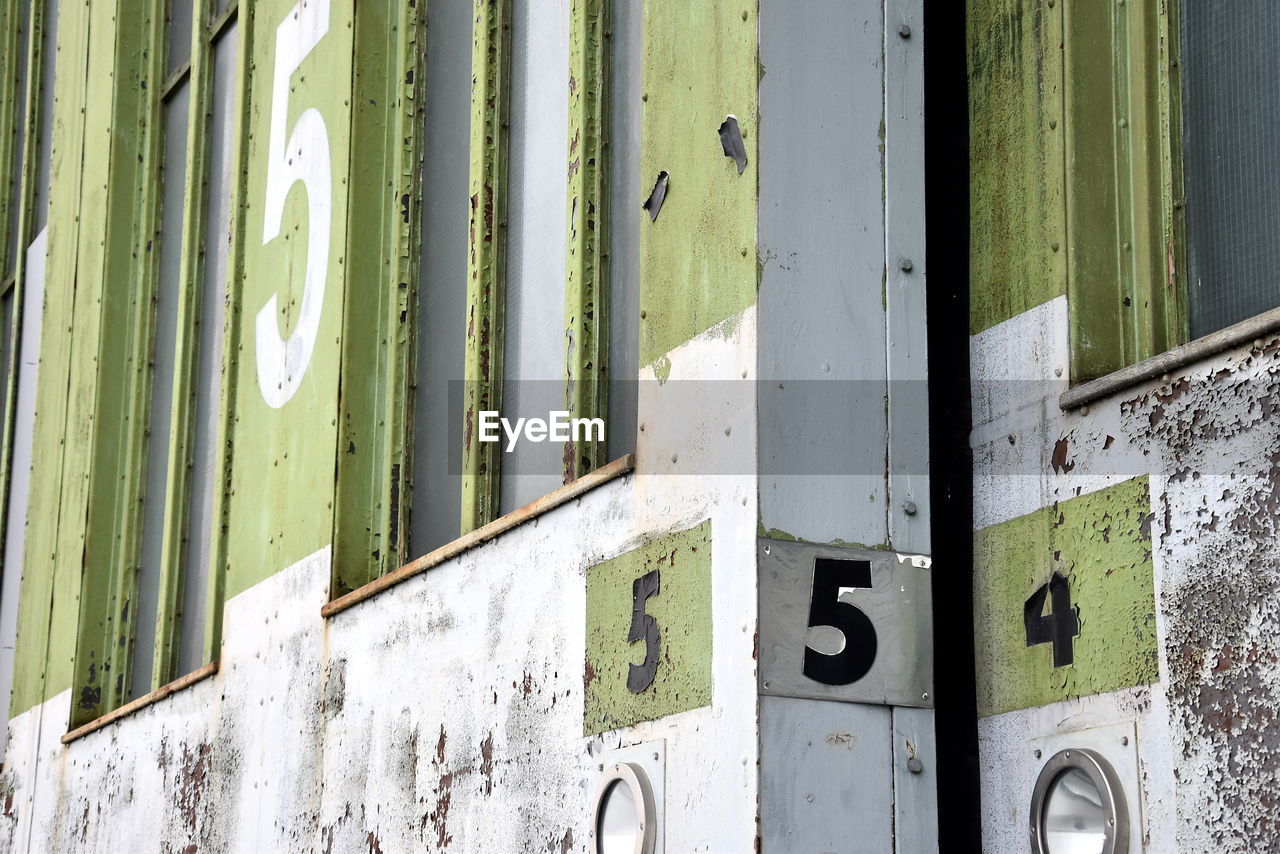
(282, 363)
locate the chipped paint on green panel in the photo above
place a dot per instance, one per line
(698, 259)
(486, 255)
(1017, 208)
(373, 474)
(1101, 542)
(682, 611)
(55, 529)
(282, 484)
(1123, 246)
(586, 285)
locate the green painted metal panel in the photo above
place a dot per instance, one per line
(697, 260)
(1124, 246)
(1101, 543)
(42, 665)
(1017, 205)
(373, 471)
(113, 293)
(681, 609)
(285, 418)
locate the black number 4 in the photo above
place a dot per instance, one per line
(644, 626)
(853, 662)
(1059, 626)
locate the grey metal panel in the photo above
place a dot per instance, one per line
(821, 315)
(14, 189)
(915, 792)
(160, 419)
(898, 605)
(24, 414)
(442, 293)
(533, 351)
(624, 227)
(905, 288)
(44, 128)
(826, 778)
(204, 451)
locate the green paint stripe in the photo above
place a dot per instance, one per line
(1101, 542)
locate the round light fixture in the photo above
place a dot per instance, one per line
(624, 820)
(1078, 807)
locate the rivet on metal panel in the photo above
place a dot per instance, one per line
(904, 31)
(909, 507)
(905, 265)
(915, 766)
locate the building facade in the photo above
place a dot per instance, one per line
(552, 425)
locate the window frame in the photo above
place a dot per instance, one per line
(374, 489)
(1125, 227)
(108, 618)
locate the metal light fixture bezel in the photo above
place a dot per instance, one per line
(633, 777)
(1103, 777)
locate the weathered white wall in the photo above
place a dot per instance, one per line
(444, 714)
(1207, 437)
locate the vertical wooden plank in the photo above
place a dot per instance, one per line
(486, 259)
(587, 268)
(376, 411)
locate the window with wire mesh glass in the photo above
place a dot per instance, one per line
(1231, 120)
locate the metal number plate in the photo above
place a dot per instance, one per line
(844, 624)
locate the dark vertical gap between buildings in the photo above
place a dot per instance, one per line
(947, 224)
